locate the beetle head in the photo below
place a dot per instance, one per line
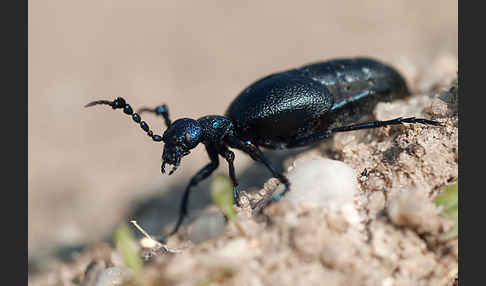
(183, 135)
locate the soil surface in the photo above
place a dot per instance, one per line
(396, 239)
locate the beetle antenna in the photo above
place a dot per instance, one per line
(120, 103)
(162, 110)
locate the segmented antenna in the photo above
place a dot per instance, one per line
(162, 110)
(120, 103)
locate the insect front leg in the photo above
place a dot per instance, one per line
(205, 172)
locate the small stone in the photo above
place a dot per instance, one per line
(324, 182)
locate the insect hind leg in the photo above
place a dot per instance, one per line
(367, 125)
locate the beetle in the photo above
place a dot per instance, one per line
(288, 109)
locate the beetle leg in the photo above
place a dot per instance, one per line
(376, 124)
(257, 155)
(161, 110)
(230, 157)
(196, 179)
(300, 142)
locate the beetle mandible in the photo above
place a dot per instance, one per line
(289, 109)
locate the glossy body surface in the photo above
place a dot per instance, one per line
(293, 108)
(283, 107)
(347, 78)
(278, 108)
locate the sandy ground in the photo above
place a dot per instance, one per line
(93, 165)
(390, 234)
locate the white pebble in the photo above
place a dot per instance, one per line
(328, 183)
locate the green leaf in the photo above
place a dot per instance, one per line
(222, 195)
(126, 245)
(449, 201)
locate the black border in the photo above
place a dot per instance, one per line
(471, 112)
(14, 134)
(462, 276)
(460, 74)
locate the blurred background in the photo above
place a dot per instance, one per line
(90, 169)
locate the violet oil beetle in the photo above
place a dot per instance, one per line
(289, 109)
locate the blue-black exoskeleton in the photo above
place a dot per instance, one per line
(293, 108)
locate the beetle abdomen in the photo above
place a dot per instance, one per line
(347, 79)
(357, 86)
(279, 107)
(288, 105)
